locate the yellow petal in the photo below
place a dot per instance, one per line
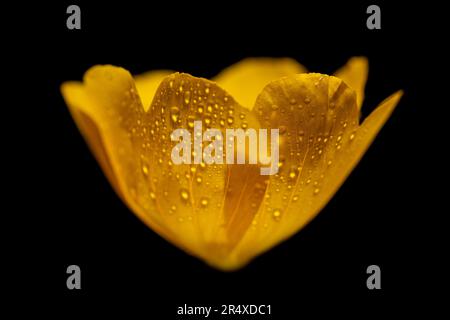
(76, 99)
(196, 207)
(245, 79)
(322, 144)
(104, 107)
(147, 83)
(354, 74)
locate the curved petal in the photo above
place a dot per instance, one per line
(147, 84)
(245, 80)
(322, 144)
(103, 107)
(354, 73)
(196, 207)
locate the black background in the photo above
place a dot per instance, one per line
(68, 213)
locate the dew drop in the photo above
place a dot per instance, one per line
(276, 214)
(190, 122)
(174, 114)
(145, 169)
(204, 202)
(184, 194)
(316, 190)
(230, 120)
(292, 174)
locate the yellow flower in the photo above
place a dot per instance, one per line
(226, 214)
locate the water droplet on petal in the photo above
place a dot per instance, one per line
(190, 122)
(184, 194)
(145, 169)
(204, 202)
(174, 114)
(292, 174)
(276, 214)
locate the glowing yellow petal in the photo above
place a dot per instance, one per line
(147, 83)
(74, 93)
(322, 144)
(186, 204)
(245, 79)
(103, 107)
(354, 74)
